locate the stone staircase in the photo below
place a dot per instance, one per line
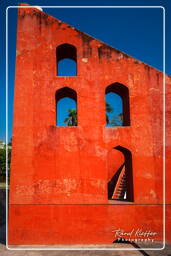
(120, 188)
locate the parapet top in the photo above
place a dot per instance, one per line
(34, 6)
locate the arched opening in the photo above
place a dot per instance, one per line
(117, 105)
(120, 178)
(66, 107)
(66, 60)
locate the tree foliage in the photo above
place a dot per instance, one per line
(71, 120)
(117, 120)
(3, 160)
(109, 109)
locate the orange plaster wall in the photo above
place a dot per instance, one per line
(68, 165)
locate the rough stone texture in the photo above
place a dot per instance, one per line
(58, 190)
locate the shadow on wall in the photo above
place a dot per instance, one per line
(123, 241)
(2, 216)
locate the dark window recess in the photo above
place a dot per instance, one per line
(66, 60)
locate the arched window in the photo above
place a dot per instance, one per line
(66, 107)
(66, 60)
(120, 179)
(117, 105)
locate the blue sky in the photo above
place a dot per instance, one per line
(137, 32)
(65, 67)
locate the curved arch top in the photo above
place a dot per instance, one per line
(66, 92)
(117, 88)
(66, 51)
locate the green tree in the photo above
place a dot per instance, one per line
(109, 109)
(3, 160)
(3, 163)
(117, 120)
(71, 120)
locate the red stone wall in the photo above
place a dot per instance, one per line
(58, 189)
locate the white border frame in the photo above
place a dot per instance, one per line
(164, 133)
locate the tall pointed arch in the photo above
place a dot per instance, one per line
(66, 107)
(66, 60)
(119, 103)
(120, 174)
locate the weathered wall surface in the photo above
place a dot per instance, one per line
(69, 165)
